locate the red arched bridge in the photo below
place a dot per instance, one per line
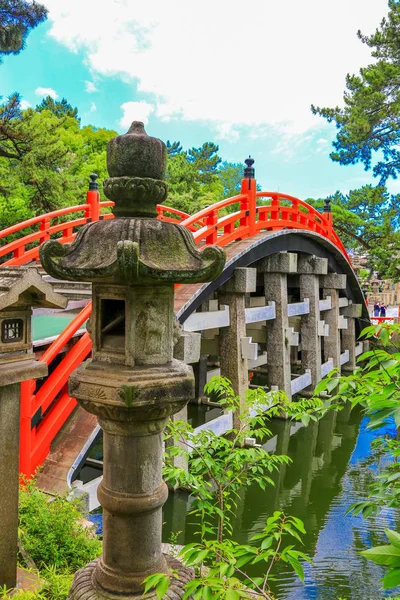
(303, 273)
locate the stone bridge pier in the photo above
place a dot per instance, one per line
(286, 317)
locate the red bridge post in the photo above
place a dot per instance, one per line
(93, 199)
(249, 188)
(327, 213)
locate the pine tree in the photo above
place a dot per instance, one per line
(17, 19)
(58, 108)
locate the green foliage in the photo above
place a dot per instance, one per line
(367, 220)
(56, 586)
(220, 567)
(17, 19)
(388, 556)
(52, 533)
(59, 108)
(219, 468)
(369, 122)
(46, 159)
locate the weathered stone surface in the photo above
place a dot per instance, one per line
(9, 456)
(21, 370)
(312, 264)
(24, 286)
(84, 584)
(244, 280)
(353, 311)
(188, 347)
(135, 154)
(283, 262)
(335, 281)
(310, 340)
(128, 194)
(332, 341)
(132, 252)
(278, 348)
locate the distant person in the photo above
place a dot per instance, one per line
(376, 309)
(383, 310)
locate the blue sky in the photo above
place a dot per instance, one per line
(241, 75)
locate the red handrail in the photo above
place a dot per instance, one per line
(44, 409)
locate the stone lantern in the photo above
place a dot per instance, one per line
(132, 383)
(21, 288)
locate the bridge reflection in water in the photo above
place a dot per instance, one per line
(332, 467)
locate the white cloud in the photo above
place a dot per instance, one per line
(93, 107)
(43, 92)
(90, 87)
(25, 104)
(249, 66)
(135, 111)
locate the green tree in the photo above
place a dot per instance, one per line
(192, 177)
(230, 175)
(17, 19)
(59, 108)
(45, 160)
(367, 220)
(369, 121)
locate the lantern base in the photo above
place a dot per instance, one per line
(85, 587)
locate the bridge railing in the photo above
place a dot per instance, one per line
(25, 248)
(46, 405)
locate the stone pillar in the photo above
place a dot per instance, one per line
(276, 269)
(310, 268)
(9, 482)
(21, 289)
(351, 313)
(331, 284)
(200, 378)
(233, 365)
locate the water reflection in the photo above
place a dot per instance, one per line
(332, 468)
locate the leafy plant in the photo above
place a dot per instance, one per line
(52, 533)
(219, 467)
(388, 555)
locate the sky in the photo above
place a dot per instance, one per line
(242, 75)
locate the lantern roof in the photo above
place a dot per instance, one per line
(25, 286)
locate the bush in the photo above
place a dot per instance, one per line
(52, 532)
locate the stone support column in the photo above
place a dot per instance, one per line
(11, 374)
(233, 365)
(9, 482)
(331, 284)
(276, 269)
(200, 378)
(310, 268)
(351, 313)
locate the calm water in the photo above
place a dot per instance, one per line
(332, 467)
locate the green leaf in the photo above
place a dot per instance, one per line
(391, 579)
(296, 566)
(393, 537)
(162, 587)
(232, 595)
(383, 555)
